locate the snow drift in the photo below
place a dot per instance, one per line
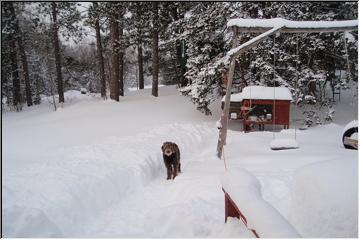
(245, 190)
(326, 193)
(57, 198)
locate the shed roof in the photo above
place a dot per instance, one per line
(261, 93)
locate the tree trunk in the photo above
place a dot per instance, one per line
(100, 58)
(121, 62)
(15, 75)
(155, 48)
(23, 58)
(178, 63)
(59, 79)
(141, 68)
(114, 84)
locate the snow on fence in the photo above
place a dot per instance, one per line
(243, 190)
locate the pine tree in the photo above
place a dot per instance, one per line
(57, 55)
(64, 15)
(171, 18)
(95, 13)
(8, 25)
(138, 26)
(114, 84)
(115, 11)
(208, 41)
(23, 57)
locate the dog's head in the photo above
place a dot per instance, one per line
(167, 148)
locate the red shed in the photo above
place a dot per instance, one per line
(262, 105)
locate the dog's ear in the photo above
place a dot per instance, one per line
(162, 148)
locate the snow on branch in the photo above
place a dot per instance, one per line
(243, 47)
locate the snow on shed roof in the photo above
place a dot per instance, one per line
(236, 97)
(277, 22)
(261, 92)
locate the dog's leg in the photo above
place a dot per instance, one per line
(168, 172)
(175, 171)
(179, 167)
(168, 169)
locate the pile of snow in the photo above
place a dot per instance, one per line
(245, 190)
(284, 143)
(352, 124)
(325, 199)
(57, 197)
(277, 173)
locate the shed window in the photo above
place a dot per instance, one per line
(260, 110)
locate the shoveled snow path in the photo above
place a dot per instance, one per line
(189, 206)
(117, 188)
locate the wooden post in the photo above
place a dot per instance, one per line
(225, 114)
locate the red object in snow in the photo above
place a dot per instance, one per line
(279, 110)
(231, 210)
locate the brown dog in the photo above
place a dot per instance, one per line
(171, 155)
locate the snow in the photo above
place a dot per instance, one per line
(261, 92)
(326, 187)
(145, 87)
(218, 124)
(245, 190)
(348, 36)
(276, 24)
(188, 14)
(235, 97)
(352, 124)
(280, 22)
(267, 23)
(268, 93)
(95, 169)
(284, 143)
(88, 169)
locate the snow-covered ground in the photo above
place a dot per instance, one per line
(94, 169)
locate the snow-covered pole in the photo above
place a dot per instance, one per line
(264, 25)
(229, 85)
(225, 114)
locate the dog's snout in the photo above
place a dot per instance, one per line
(168, 152)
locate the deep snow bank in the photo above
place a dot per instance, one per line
(56, 198)
(245, 190)
(326, 193)
(303, 199)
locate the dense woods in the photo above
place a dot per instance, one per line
(106, 47)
